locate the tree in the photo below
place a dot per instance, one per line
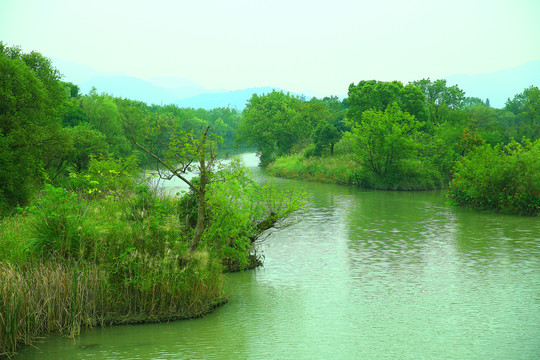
(383, 139)
(31, 99)
(104, 115)
(439, 97)
(185, 152)
(371, 95)
(526, 106)
(325, 136)
(412, 100)
(87, 142)
(273, 124)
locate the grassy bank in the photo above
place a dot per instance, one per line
(70, 262)
(342, 169)
(104, 249)
(345, 169)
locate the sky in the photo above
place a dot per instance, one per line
(298, 45)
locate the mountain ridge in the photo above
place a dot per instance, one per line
(497, 86)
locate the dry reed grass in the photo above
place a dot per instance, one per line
(37, 300)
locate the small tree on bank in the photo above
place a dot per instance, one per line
(184, 152)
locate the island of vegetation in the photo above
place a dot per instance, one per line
(86, 239)
(419, 136)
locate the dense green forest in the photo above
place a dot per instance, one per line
(423, 135)
(82, 225)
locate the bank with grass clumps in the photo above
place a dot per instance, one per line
(107, 248)
(347, 170)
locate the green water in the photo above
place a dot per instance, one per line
(365, 275)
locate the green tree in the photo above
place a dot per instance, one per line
(104, 115)
(185, 152)
(526, 106)
(440, 97)
(31, 98)
(325, 136)
(412, 100)
(371, 95)
(87, 142)
(383, 140)
(273, 124)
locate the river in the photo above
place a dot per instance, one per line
(365, 275)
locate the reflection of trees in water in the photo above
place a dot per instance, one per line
(394, 231)
(409, 232)
(496, 238)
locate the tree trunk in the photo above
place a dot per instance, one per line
(201, 220)
(199, 228)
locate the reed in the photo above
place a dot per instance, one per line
(42, 298)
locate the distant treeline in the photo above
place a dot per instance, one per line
(386, 135)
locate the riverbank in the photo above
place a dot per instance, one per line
(409, 276)
(89, 265)
(110, 251)
(346, 169)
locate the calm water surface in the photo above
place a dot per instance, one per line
(365, 275)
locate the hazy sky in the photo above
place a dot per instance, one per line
(298, 45)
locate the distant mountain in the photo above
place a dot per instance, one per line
(158, 90)
(131, 88)
(498, 86)
(77, 73)
(234, 99)
(182, 88)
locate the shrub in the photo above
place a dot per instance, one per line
(496, 178)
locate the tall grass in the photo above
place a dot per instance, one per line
(340, 169)
(37, 299)
(70, 261)
(41, 298)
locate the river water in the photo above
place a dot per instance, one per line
(365, 275)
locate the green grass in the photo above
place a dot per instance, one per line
(339, 169)
(345, 169)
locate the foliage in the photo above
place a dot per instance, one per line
(87, 143)
(104, 115)
(526, 106)
(440, 98)
(273, 124)
(30, 101)
(371, 95)
(240, 211)
(325, 136)
(105, 176)
(383, 139)
(499, 178)
(55, 226)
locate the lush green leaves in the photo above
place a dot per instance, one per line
(383, 139)
(499, 178)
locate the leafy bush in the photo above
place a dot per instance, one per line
(105, 176)
(496, 178)
(240, 210)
